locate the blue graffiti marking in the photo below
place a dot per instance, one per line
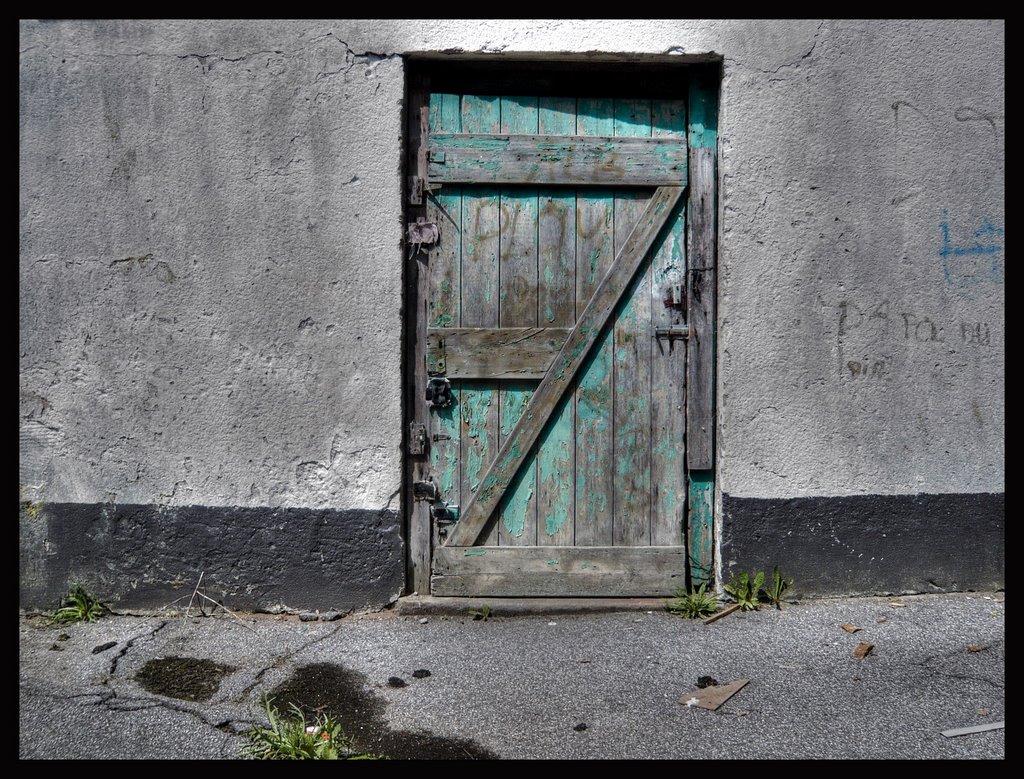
(987, 241)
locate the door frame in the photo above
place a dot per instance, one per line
(700, 84)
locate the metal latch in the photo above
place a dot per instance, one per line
(439, 392)
(675, 331)
(417, 438)
(675, 296)
(425, 490)
(445, 515)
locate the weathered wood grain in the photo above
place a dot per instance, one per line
(700, 526)
(518, 308)
(559, 571)
(595, 250)
(668, 358)
(700, 397)
(480, 253)
(701, 308)
(558, 379)
(556, 306)
(552, 159)
(494, 353)
(631, 360)
(444, 310)
(417, 295)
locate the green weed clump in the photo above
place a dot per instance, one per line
(694, 604)
(78, 606)
(290, 738)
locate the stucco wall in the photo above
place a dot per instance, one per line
(210, 269)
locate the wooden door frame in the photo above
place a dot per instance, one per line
(700, 84)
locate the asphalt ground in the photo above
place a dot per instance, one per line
(523, 685)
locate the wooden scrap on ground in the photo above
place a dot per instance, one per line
(849, 628)
(713, 696)
(723, 613)
(974, 729)
(862, 650)
(977, 647)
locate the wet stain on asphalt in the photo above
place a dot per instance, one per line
(328, 688)
(185, 678)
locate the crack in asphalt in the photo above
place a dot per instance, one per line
(131, 642)
(280, 660)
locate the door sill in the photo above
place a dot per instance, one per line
(457, 606)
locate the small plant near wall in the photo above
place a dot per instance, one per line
(744, 588)
(78, 606)
(694, 603)
(777, 589)
(748, 589)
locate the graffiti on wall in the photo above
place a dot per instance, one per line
(971, 260)
(871, 331)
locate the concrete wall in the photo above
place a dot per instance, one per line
(211, 299)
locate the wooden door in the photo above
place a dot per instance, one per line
(554, 310)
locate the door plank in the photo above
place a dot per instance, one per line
(701, 292)
(559, 571)
(556, 306)
(417, 295)
(518, 308)
(700, 375)
(700, 523)
(480, 251)
(494, 353)
(668, 359)
(444, 309)
(631, 360)
(595, 250)
(597, 313)
(552, 159)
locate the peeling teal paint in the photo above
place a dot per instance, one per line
(448, 423)
(442, 320)
(549, 274)
(701, 522)
(703, 126)
(476, 404)
(474, 553)
(475, 143)
(555, 471)
(552, 562)
(595, 259)
(549, 315)
(513, 402)
(584, 566)
(515, 505)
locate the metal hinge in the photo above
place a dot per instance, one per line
(417, 186)
(425, 490)
(417, 438)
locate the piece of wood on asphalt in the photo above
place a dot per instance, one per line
(712, 697)
(977, 647)
(862, 650)
(849, 628)
(973, 729)
(723, 613)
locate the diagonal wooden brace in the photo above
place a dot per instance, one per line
(564, 368)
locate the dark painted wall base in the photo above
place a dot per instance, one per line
(869, 544)
(145, 556)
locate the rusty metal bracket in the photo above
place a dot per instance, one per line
(421, 233)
